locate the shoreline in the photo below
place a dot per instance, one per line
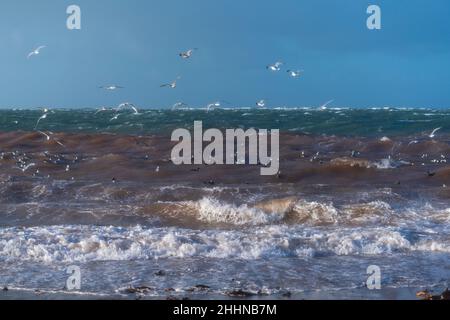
(342, 294)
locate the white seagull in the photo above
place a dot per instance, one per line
(325, 105)
(433, 134)
(172, 85)
(48, 138)
(116, 116)
(261, 103)
(275, 67)
(187, 54)
(295, 73)
(127, 105)
(44, 116)
(35, 52)
(111, 87)
(213, 105)
(102, 109)
(179, 105)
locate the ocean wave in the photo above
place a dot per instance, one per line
(213, 211)
(93, 243)
(290, 211)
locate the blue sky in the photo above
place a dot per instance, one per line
(134, 43)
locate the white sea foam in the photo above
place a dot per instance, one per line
(213, 211)
(93, 243)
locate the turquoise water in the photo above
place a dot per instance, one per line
(348, 122)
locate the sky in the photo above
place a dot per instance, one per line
(135, 44)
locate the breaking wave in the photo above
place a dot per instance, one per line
(90, 243)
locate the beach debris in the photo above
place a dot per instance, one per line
(286, 294)
(173, 298)
(160, 273)
(199, 287)
(239, 293)
(428, 295)
(139, 290)
(202, 287)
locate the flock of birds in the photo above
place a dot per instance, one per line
(262, 103)
(276, 67)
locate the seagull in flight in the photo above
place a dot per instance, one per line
(116, 116)
(102, 109)
(111, 88)
(216, 104)
(213, 106)
(172, 85)
(48, 137)
(325, 105)
(261, 103)
(179, 105)
(187, 54)
(35, 52)
(275, 67)
(295, 73)
(127, 105)
(44, 116)
(433, 134)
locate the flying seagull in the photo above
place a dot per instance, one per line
(172, 85)
(187, 54)
(295, 73)
(275, 67)
(325, 105)
(48, 137)
(213, 105)
(433, 134)
(44, 116)
(216, 104)
(111, 88)
(102, 109)
(127, 105)
(179, 105)
(35, 52)
(261, 103)
(116, 116)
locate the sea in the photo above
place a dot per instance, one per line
(96, 189)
